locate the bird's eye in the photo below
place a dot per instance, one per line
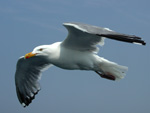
(41, 49)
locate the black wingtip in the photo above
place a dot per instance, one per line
(144, 43)
(25, 101)
(29, 100)
(125, 38)
(141, 42)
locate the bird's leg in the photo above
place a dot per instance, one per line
(107, 76)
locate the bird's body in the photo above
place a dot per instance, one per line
(72, 59)
(77, 52)
(79, 60)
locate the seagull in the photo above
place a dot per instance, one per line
(77, 52)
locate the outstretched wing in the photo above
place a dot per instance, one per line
(86, 37)
(27, 77)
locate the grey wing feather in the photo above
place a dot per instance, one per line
(105, 32)
(87, 36)
(27, 77)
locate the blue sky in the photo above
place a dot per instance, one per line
(25, 24)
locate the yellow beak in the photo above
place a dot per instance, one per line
(28, 55)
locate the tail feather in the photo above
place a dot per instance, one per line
(111, 68)
(119, 71)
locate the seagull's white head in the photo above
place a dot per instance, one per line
(42, 50)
